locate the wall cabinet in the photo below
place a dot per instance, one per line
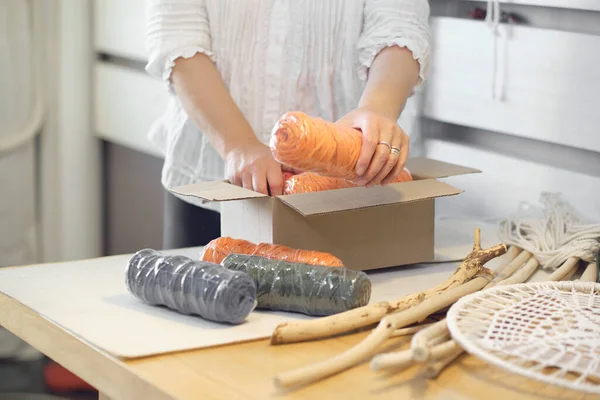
(547, 81)
(127, 102)
(119, 28)
(589, 5)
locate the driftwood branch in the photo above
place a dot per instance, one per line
(383, 331)
(443, 350)
(422, 341)
(564, 269)
(512, 253)
(510, 268)
(477, 240)
(590, 274)
(290, 332)
(397, 360)
(410, 330)
(570, 273)
(404, 358)
(433, 369)
(339, 363)
(523, 274)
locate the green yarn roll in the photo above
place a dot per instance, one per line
(307, 289)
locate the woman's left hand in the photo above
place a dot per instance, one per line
(384, 150)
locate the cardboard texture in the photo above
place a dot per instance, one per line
(366, 228)
(427, 168)
(89, 299)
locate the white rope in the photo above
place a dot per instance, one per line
(552, 234)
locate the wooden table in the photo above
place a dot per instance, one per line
(246, 371)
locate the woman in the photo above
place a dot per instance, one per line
(235, 66)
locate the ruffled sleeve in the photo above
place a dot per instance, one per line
(175, 28)
(389, 23)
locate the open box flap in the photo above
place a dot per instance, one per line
(422, 169)
(331, 201)
(216, 191)
(427, 168)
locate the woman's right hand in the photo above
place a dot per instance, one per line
(248, 162)
(253, 167)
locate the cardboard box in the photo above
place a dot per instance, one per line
(366, 228)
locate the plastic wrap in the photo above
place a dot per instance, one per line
(190, 286)
(219, 248)
(307, 182)
(287, 175)
(303, 288)
(315, 145)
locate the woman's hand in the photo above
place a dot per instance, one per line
(384, 150)
(248, 162)
(253, 167)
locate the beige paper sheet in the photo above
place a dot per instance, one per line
(89, 298)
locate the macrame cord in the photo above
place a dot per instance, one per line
(559, 234)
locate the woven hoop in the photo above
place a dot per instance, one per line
(547, 331)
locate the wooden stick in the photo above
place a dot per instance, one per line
(410, 330)
(569, 274)
(388, 324)
(421, 342)
(433, 369)
(477, 240)
(443, 350)
(590, 274)
(511, 254)
(564, 269)
(404, 358)
(291, 332)
(341, 362)
(523, 274)
(397, 360)
(510, 268)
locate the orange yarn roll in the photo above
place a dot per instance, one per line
(286, 176)
(310, 182)
(219, 248)
(315, 145)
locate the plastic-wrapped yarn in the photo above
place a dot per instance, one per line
(219, 248)
(307, 182)
(191, 287)
(287, 175)
(315, 145)
(303, 288)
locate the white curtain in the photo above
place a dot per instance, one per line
(20, 118)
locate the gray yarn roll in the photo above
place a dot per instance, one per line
(308, 289)
(191, 287)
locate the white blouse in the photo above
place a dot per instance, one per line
(274, 56)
